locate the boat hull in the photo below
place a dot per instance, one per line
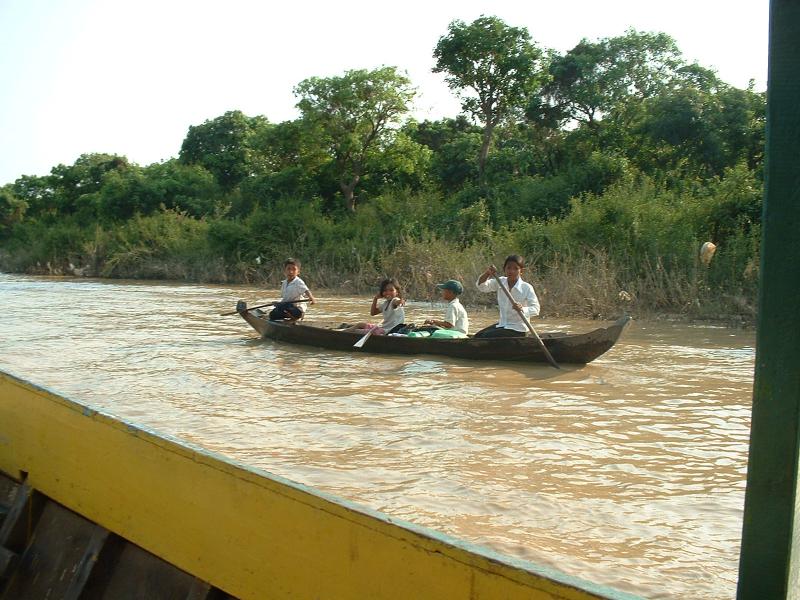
(123, 503)
(565, 348)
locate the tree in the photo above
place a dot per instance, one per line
(403, 164)
(454, 144)
(37, 193)
(189, 188)
(436, 134)
(493, 68)
(76, 187)
(12, 209)
(223, 146)
(352, 117)
(283, 145)
(705, 132)
(595, 78)
(287, 163)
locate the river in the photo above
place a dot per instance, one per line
(629, 472)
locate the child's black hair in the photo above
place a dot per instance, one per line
(515, 258)
(291, 261)
(390, 281)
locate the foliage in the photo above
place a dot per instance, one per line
(493, 67)
(224, 146)
(594, 78)
(12, 209)
(352, 117)
(165, 245)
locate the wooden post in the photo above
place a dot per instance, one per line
(770, 556)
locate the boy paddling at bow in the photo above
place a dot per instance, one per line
(511, 323)
(292, 289)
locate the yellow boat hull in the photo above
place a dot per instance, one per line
(251, 534)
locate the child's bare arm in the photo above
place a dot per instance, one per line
(374, 310)
(443, 324)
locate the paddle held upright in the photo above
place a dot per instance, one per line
(525, 320)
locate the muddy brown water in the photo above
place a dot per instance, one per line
(628, 472)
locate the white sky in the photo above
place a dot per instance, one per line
(129, 78)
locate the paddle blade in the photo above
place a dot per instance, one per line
(363, 340)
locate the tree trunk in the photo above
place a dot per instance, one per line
(348, 191)
(487, 141)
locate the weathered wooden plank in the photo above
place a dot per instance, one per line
(23, 514)
(50, 567)
(205, 591)
(8, 562)
(199, 590)
(138, 574)
(8, 491)
(84, 568)
(104, 568)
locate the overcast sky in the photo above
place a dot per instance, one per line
(129, 78)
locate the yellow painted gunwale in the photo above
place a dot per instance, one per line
(250, 533)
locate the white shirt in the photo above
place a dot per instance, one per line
(522, 292)
(294, 290)
(456, 315)
(392, 316)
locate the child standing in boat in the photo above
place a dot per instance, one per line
(292, 288)
(391, 309)
(525, 300)
(455, 316)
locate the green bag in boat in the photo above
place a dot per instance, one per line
(448, 333)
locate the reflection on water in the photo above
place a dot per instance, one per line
(628, 472)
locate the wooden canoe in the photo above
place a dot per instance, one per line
(566, 348)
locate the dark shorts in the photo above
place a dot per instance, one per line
(493, 331)
(279, 313)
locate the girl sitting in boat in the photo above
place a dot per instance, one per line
(392, 309)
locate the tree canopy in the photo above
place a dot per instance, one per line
(224, 146)
(594, 78)
(352, 117)
(493, 67)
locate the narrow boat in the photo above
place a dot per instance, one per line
(567, 348)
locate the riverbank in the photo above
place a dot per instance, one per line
(586, 291)
(633, 249)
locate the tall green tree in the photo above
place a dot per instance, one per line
(353, 117)
(492, 67)
(224, 146)
(594, 78)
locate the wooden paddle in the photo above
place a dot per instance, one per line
(525, 320)
(363, 340)
(236, 312)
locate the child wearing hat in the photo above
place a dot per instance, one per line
(455, 315)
